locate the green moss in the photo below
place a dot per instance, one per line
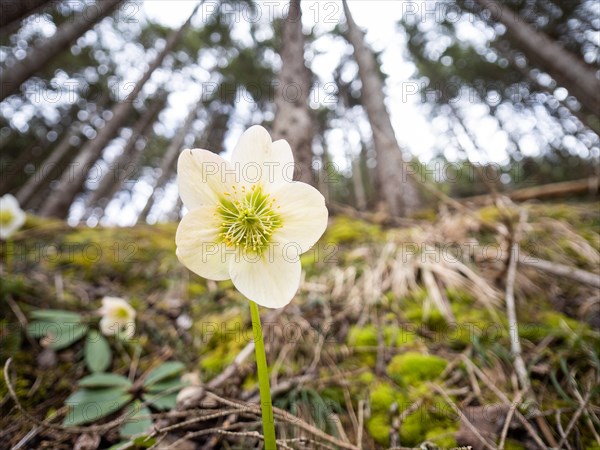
(398, 336)
(223, 337)
(344, 230)
(428, 214)
(383, 396)
(196, 288)
(551, 323)
(213, 363)
(513, 445)
(433, 422)
(413, 368)
(250, 382)
(442, 437)
(555, 319)
(413, 430)
(413, 312)
(366, 378)
(378, 427)
(491, 214)
(362, 336)
(459, 296)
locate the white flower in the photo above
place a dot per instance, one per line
(118, 317)
(247, 219)
(12, 216)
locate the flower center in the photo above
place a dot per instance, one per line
(121, 313)
(6, 217)
(248, 219)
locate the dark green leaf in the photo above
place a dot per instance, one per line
(166, 370)
(97, 353)
(99, 380)
(87, 406)
(40, 329)
(171, 385)
(144, 441)
(139, 421)
(66, 335)
(121, 446)
(56, 316)
(159, 401)
(95, 395)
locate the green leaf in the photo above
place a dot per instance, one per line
(40, 329)
(90, 405)
(60, 328)
(139, 422)
(164, 402)
(66, 335)
(144, 441)
(124, 445)
(166, 370)
(100, 380)
(94, 395)
(56, 316)
(97, 353)
(172, 384)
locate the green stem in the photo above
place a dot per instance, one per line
(9, 256)
(263, 380)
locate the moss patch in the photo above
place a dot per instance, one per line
(414, 368)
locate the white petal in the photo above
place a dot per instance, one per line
(113, 302)
(271, 280)
(303, 214)
(9, 203)
(6, 231)
(202, 177)
(257, 159)
(128, 330)
(108, 326)
(282, 155)
(20, 217)
(198, 246)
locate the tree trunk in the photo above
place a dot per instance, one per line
(168, 161)
(51, 163)
(33, 184)
(72, 181)
(397, 187)
(175, 213)
(17, 10)
(129, 157)
(358, 185)
(13, 174)
(568, 70)
(293, 119)
(11, 79)
(584, 116)
(212, 138)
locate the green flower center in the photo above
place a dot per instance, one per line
(6, 217)
(122, 313)
(248, 219)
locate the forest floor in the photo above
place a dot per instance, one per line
(398, 336)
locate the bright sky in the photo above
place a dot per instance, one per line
(379, 19)
(416, 132)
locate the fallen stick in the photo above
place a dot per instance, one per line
(562, 270)
(553, 190)
(513, 324)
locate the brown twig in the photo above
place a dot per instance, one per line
(575, 418)
(463, 418)
(511, 412)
